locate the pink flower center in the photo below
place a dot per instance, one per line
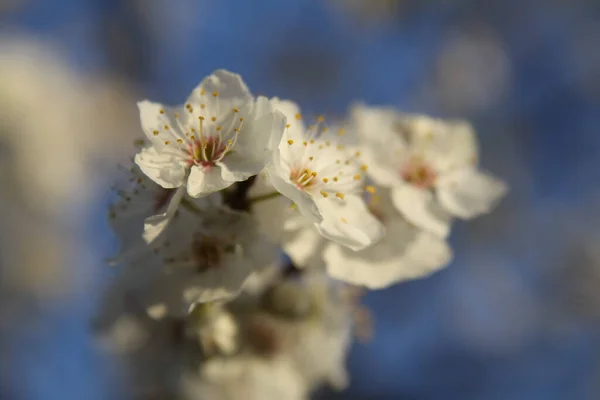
(419, 174)
(207, 152)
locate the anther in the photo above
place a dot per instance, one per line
(213, 119)
(357, 177)
(215, 94)
(298, 116)
(290, 142)
(364, 167)
(370, 189)
(324, 193)
(325, 180)
(340, 195)
(155, 133)
(287, 125)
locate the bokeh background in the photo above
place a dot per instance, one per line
(515, 316)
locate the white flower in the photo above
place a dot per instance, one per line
(429, 164)
(317, 174)
(313, 319)
(246, 376)
(221, 136)
(203, 255)
(406, 252)
(214, 327)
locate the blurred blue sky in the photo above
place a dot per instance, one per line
(469, 332)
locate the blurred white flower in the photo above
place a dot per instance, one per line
(406, 252)
(246, 376)
(221, 136)
(204, 255)
(324, 182)
(214, 327)
(314, 322)
(430, 165)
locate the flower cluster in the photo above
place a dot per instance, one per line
(225, 184)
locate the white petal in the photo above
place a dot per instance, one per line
(386, 174)
(302, 245)
(204, 182)
(444, 144)
(349, 222)
(255, 144)
(155, 225)
(384, 147)
(164, 169)
(153, 120)
(294, 130)
(228, 84)
(420, 208)
(218, 284)
(405, 253)
(467, 193)
(238, 167)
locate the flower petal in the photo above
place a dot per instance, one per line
(349, 222)
(405, 253)
(467, 193)
(420, 208)
(157, 122)
(203, 182)
(255, 144)
(164, 169)
(444, 144)
(155, 225)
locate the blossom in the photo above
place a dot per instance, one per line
(406, 252)
(430, 164)
(245, 376)
(313, 319)
(221, 136)
(204, 255)
(323, 181)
